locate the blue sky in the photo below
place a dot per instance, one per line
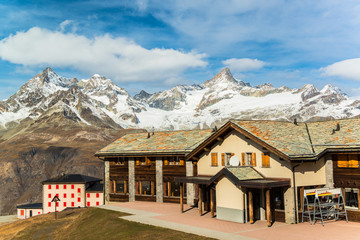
(154, 45)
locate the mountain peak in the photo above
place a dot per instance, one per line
(330, 89)
(224, 76)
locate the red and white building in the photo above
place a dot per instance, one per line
(73, 191)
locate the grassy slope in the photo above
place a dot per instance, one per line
(89, 223)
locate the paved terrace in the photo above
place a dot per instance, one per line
(168, 215)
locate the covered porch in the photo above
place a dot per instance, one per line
(236, 194)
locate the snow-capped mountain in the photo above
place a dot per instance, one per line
(99, 102)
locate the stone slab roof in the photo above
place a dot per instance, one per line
(160, 142)
(244, 173)
(30, 206)
(71, 178)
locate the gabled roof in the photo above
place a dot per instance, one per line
(71, 178)
(159, 143)
(96, 187)
(31, 206)
(301, 141)
(247, 176)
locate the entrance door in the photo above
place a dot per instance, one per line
(257, 203)
(30, 213)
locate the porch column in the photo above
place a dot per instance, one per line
(289, 205)
(132, 190)
(268, 209)
(190, 187)
(159, 180)
(200, 200)
(329, 172)
(262, 205)
(212, 202)
(251, 207)
(181, 197)
(106, 181)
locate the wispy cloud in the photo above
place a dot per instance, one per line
(243, 64)
(348, 69)
(116, 57)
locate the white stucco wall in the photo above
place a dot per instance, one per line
(26, 212)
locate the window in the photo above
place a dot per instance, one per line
(49, 204)
(72, 195)
(79, 190)
(22, 212)
(49, 186)
(72, 204)
(97, 203)
(97, 195)
(88, 195)
(225, 158)
(266, 159)
(57, 186)
(120, 161)
(38, 212)
(64, 204)
(57, 204)
(347, 161)
(214, 159)
(145, 187)
(351, 197)
(172, 189)
(79, 199)
(64, 195)
(72, 186)
(64, 186)
(49, 195)
(119, 186)
(57, 195)
(279, 198)
(88, 204)
(166, 161)
(248, 159)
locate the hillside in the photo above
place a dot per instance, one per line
(88, 223)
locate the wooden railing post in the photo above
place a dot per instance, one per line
(268, 209)
(200, 200)
(212, 202)
(251, 207)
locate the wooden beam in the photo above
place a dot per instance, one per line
(114, 186)
(200, 200)
(206, 149)
(169, 189)
(140, 187)
(219, 139)
(251, 207)
(358, 198)
(212, 205)
(195, 158)
(125, 186)
(152, 188)
(301, 198)
(182, 197)
(268, 209)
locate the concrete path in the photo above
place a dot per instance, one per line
(168, 215)
(8, 219)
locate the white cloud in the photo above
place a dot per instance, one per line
(64, 24)
(349, 69)
(118, 58)
(243, 64)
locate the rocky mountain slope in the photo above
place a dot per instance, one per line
(99, 102)
(55, 124)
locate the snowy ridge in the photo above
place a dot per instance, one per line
(98, 101)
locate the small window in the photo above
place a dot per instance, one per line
(225, 158)
(97, 195)
(97, 203)
(57, 195)
(347, 161)
(38, 212)
(72, 186)
(248, 159)
(120, 161)
(64, 195)
(49, 204)
(79, 199)
(266, 160)
(57, 186)
(22, 212)
(64, 186)
(49, 195)
(88, 204)
(64, 204)
(72, 195)
(351, 197)
(57, 204)
(214, 159)
(88, 195)
(79, 190)
(72, 204)
(49, 186)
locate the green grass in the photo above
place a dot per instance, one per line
(91, 223)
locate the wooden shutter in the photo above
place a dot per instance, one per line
(353, 161)
(214, 159)
(253, 159)
(265, 159)
(223, 159)
(137, 161)
(182, 161)
(342, 161)
(147, 161)
(242, 159)
(166, 162)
